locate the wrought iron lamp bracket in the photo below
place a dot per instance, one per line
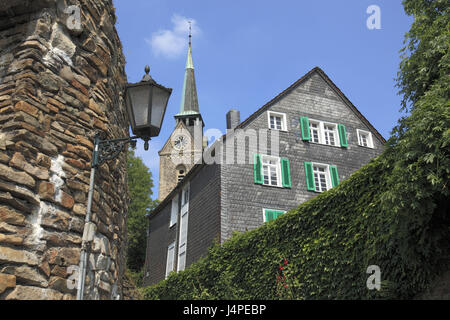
(105, 150)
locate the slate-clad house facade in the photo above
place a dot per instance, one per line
(305, 141)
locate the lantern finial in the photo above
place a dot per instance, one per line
(147, 76)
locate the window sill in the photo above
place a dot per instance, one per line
(366, 147)
(328, 145)
(170, 227)
(269, 185)
(281, 130)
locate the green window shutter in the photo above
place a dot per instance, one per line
(304, 124)
(334, 176)
(257, 168)
(269, 215)
(272, 214)
(285, 173)
(343, 135)
(278, 213)
(309, 176)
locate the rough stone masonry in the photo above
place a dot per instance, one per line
(61, 81)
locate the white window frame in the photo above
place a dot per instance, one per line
(170, 264)
(283, 120)
(321, 129)
(327, 176)
(184, 220)
(264, 212)
(174, 212)
(369, 138)
(278, 170)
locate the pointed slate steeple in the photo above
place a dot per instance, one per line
(189, 100)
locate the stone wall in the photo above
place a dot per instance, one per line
(61, 80)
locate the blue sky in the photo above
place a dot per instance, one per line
(246, 52)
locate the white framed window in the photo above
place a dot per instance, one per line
(277, 121)
(314, 128)
(185, 196)
(364, 138)
(182, 239)
(271, 214)
(324, 133)
(170, 259)
(330, 134)
(271, 170)
(322, 180)
(174, 212)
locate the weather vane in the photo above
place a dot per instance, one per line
(190, 29)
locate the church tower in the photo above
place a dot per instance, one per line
(185, 145)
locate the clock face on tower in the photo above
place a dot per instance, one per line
(180, 142)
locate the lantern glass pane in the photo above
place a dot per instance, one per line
(140, 102)
(129, 110)
(159, 103)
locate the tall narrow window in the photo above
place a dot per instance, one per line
(315, 131)
(182, 240)
(320, 178)
(270, 167)
(170, 258)
(174, 211)
(330, 135)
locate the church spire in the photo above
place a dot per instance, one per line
(189, 100)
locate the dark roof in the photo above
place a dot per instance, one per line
(261, 110)
(299, 81)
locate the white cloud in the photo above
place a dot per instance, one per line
(172, 43)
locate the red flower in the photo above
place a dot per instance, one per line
(285, 285)
(285, 262)
(281, 267)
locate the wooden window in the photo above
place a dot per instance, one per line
(174, 211)
(170, 259)
(315, 131)
(330, 134)
(271, 171)
(320, 178)
(364, 138)
(277, 121)
(184, 218)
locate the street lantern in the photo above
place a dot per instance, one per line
(146, 103)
